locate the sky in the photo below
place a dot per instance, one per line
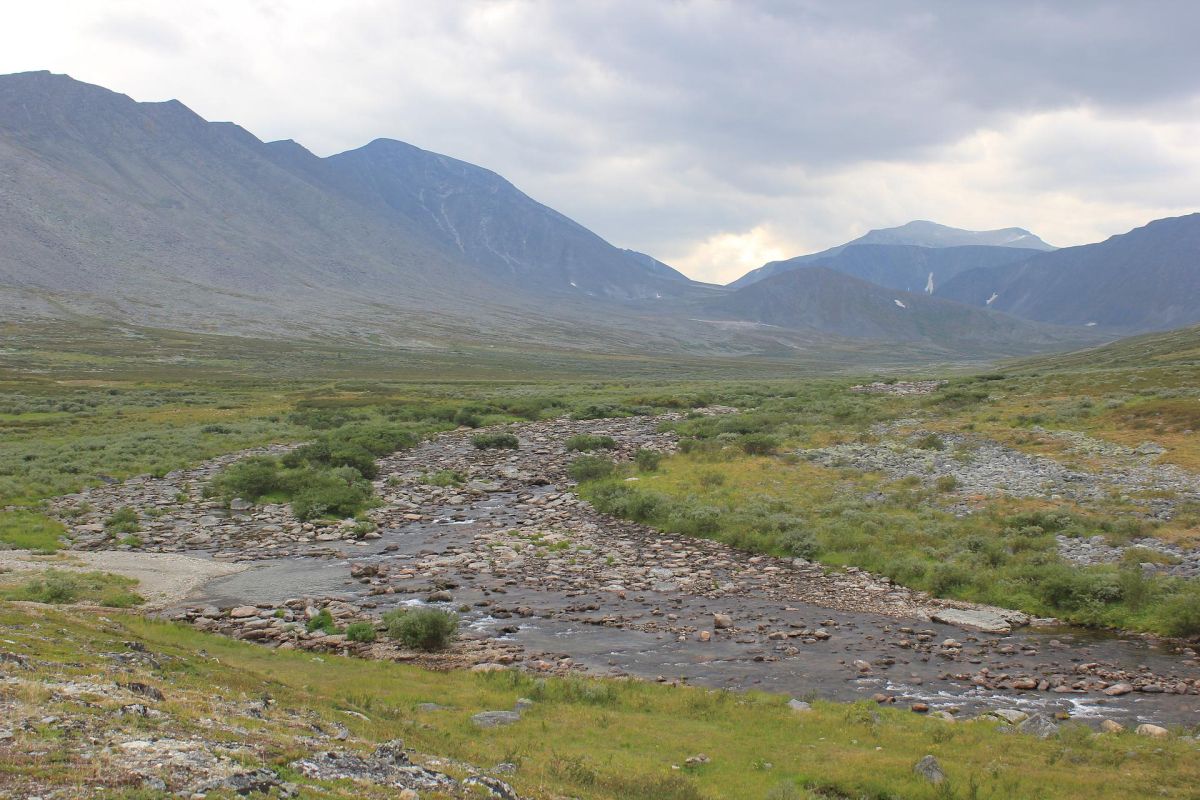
(715, 136)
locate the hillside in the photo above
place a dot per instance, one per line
(919, 233)
(816, 297)
(482, 218)
(1177, 348)
(147, 213)
(915, 268)
(1147, 279)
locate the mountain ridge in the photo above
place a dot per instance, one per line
(919, 233)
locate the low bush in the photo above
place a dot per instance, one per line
(428, 629)
(360, 632)
(758, 444)
(647, 460)
(338, 493)
(495, 441)
(251, 478)
(1181, 613)
(443, 477)
(930, 441)
(584, 442)
(590, 468)
(123, 520)
(322, 621)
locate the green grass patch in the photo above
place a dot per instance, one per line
(58, 587)
(30, 530)
(1004, 554)
(589, 738)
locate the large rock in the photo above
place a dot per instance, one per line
(1039, 725)
(1153, 731)
(495, 719)
(929, 769)
(980, 619)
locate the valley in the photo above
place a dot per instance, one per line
(690, 537)
(585, 405)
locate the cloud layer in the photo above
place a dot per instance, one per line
(713, 135)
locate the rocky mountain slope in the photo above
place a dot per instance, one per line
(919, 233)
(915, 268)
(827, 300)
(148, 212)
(1147, 279)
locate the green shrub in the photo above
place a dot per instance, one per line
(495, 441)
(798, 544)
(931, 441)
(1181, 613)
(123, 520)
(584, 442)
(695, 520)
(323, 621)
(443, 477)
(251, 478)
(329, 494)
(467, 419)
(590, 468)
(360, 632)
(946, 483)
(428, 629)
(758, 444)
(647, 460)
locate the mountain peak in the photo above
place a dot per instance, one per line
(926, 233)
(917, 233)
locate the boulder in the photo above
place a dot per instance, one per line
(1153, 731)
(929, 769)
(1039, 725)
(495, 719)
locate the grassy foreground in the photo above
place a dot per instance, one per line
(583, 738)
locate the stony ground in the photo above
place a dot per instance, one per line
(105, 726)
(546, 582)
(984, 468)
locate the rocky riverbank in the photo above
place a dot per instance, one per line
(546, 583)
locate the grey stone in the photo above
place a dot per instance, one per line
(929, 769)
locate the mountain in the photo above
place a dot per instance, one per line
(919, 233)
(482, 218)
(913, 268)
(823, 299)
(147, 212)
(657, 267)
(1147, 279)
(125, 213)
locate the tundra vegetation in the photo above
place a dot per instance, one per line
(76, 412)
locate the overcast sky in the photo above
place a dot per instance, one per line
(713, 135)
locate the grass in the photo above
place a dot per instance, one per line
(1004, 554)
(588, 738)
(58, 587)
(30, 530)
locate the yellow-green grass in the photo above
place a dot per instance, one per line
(30, 530)
(59, 587)
(589, 738)
(1003, 554)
